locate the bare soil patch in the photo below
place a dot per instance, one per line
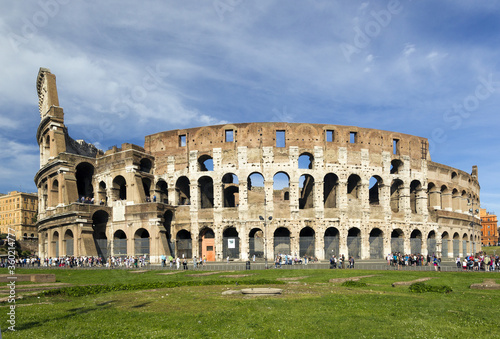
(408, 283)
(341, 280)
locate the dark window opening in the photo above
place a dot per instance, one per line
(395, 146)
(182, 140)
(353, 137)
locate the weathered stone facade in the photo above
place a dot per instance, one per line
(240, 190)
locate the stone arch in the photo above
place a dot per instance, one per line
(416, 242)
(183, 244)
(354, 242)
(141, 242)
(445, 239)
(465, 244)
(166, 232)
(375, 189)
(54, 193)
(206, 241)
(55, 244)
(206, 196)
(433, 196)
(119, 188)
(455, 200)
(307, 242)
(282, 241)
(281, 186)
(397, 241)
(99, 224)
(353, 187)
(255, 189)
(376, 240)
(84, 174)
(145, 165)
(256, 243)
(146, 185)
(162, 191)
(330, 186)
(396, 166)
(182, 191)
(102, 194)
(446, 198)
(456, 245)
(431, 243)
(306, 186)
(70, 243)
(415, 189)
(205, 163)
(396, 195)
(119, 243)
(231, 190)
(230, 243)
(306, 161)
(332, 242)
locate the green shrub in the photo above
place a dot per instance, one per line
(420, 287)
(352, 283)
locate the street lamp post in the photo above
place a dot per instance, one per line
(264, 219)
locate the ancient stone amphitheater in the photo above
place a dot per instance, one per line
(256, 189)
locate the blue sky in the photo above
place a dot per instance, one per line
(126, 69)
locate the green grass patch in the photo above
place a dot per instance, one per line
(420, 287)
(351, 283)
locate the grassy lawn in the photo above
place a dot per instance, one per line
(310, 306)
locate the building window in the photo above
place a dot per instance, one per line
(395, 146)
(329, 135)
(182, 140)
(280, 138)
(353, 136)
(229, 135)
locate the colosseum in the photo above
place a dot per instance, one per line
(249, 189)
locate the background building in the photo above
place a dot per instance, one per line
(489, 228)
(18, 211)
(209, 192)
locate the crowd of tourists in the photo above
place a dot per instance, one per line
(341, 262)
(288, 259)
(479, 262)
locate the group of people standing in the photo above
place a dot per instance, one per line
(341, 262)
(479, 262)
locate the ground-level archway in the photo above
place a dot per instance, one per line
(230, 243)
(207, 244)
(256, 243)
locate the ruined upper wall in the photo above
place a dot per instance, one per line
(47, 91)
(179, 143)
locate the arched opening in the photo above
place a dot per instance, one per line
(431, 243)
(445, 198)
(456, 245)
(230, 243)
(281, 241)
(69, 242)
(456, 199)
(330, 185)
(281, 190)
(416, 242)
(230, 187)
(120, 243)
(54, 193)
(256, 243)
(354, 243)
(145, 165)
(464, 245)
(353, 188)
(146, 184)
(376, 240)
(182, 191)
(306, 242)
(396, 166)
(374, 187)
(206, 185)
(119, 188)
(103, 197)
(141, 242)
(255, 190)
(162, 191)
(184, 244)
(205, 163)
(396, 195)
(415, 188)
(55, 244)
(397, 241)
(433, 197)
(306, 161)
(207, 244)
(84, 173)
(332, 242)
(306, 186)
(445, 238)
(99, 224)
(166, 234)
